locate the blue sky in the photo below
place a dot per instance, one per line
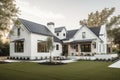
(63, 12)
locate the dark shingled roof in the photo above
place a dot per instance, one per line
(57, 40)
(59, 29)
(38, 29)
(70, 34)
(95, 30)
(35, 27)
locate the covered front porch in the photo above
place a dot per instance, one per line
(80, 48)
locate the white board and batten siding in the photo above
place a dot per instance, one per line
(61, 34)
(36, 54)
(24, 34)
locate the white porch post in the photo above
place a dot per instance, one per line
(92, 47)
(69, 49)
(79, 50)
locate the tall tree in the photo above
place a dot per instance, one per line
(97, 18)
(8, 15)
(50, 46)
(113, 30)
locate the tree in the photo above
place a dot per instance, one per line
(8, 15)
(116, 37)
(97, 18)
(50, 46)
(113, 30)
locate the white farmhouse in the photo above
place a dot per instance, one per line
(29, 41)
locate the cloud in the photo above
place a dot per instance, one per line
(33, 10)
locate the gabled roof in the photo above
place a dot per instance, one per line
(59, 29)
(71, 33)
(38, 29)
(95, 30)
(35, 27)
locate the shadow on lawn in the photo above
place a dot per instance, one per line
(52, 63)
(2, 62)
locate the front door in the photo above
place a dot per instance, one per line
(65, 49)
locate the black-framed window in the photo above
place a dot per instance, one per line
(18, 31)
(57, 47)
(85, 47)
(83, 34)
(57, 34)
(19, 46)
(42, 46)
(63, 34)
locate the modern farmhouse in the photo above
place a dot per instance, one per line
(29, 40)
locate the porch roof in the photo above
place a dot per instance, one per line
(86, 40)
(18, 40)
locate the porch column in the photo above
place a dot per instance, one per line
(69, 49)
(79, 50)
(92, 47)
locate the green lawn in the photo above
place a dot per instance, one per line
(81, 70)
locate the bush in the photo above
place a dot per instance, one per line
(4, 49)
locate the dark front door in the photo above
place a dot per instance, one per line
(65, 49)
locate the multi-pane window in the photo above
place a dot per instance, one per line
(57, 47)
(85, 47)
(83, 35)
(19, 46)
(42, 46)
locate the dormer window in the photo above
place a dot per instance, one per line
(57, 34)
(83, 35)
(18, 32)
(64, 34)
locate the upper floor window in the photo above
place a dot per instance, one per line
(19, 46)
(57, 34)
(83, 35)
(57, 47)
(18, 32)
(64, 34)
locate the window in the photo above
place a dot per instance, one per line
(85, 47)
(18, 32)
(57, 47)
(42, 46)
(57, 34)
(83, 35)
(19, 46)
(64, 34)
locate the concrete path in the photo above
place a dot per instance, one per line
(115, 65)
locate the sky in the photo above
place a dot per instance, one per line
(66, 13)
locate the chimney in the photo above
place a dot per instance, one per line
(50, 26)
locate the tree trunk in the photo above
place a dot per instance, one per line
(50, 57)
(111, 43)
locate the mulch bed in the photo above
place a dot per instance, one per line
(52, 63)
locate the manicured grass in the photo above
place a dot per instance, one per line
(81, 70)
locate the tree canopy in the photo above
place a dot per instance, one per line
(98, 18)
(8, 15)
